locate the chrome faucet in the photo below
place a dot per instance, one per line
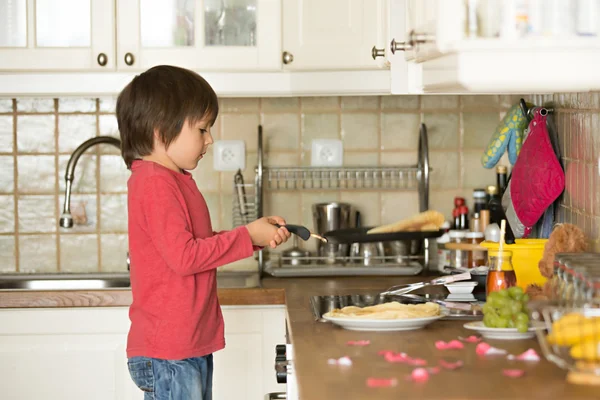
(66, 219)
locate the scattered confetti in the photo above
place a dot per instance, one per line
(471, 339)
(484, 349)
(513, 373)
(454, 344)
(434, 370)
(381, 382)
(529, 355)
(358, 342)
(420, 375)
(404, 358)
(451, 365)
(346, 361)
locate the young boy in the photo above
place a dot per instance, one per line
(165, 116)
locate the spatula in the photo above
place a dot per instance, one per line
(403, 289)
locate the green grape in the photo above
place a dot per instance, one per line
(501, 322)
(525, 299)
(522, 318)
(505, 312)
(487, 320)
(522, 327)
(515, 307)
(503, 293)
(488, 309)
(502, 302)
(511, 323)
(515, 292)
(518, 296)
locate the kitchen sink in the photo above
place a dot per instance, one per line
(64, 281)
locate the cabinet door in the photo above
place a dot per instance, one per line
(332, 34)
(57, 35)
(199, 34)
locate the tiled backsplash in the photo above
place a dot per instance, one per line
(37, 137)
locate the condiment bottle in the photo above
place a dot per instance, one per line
(475, 258)
(501, 274)
(479, 200)
(458, 258)
(501, 179)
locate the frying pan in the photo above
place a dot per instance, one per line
(359, 235)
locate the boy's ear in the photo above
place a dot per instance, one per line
(158, 143)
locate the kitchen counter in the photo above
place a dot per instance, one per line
(316, 342)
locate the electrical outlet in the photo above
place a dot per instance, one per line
(229, 155)
(327, 153)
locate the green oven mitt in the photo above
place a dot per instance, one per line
(509, 134)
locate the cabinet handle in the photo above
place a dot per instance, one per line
(129, 59)
(375, 52)
(102, 59)
(399, 46)
(419, 38)
(287, 57)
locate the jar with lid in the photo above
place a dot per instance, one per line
(479, 200)
(458, 258)
(501, 274)
(443, 254)
(475, 258)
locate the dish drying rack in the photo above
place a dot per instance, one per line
(248, 205)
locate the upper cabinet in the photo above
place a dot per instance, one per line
(47, 35)
(334, 34)
(494, 46)
(224, 35)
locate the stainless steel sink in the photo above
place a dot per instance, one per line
(64, 281)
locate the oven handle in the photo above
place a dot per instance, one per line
(276, 396)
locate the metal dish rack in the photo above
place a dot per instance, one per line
(248, 205)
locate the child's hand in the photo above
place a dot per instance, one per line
(263, 232)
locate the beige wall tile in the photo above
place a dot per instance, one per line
(79, 253)
(206, 178)
(445, 170)
(6, 133)
(360, 102)
(85, 174)
(404, 158)
(280, 104)
(8, 254)
(37, 254)
(7, 174)
(241, 127)
(226, 212)
(396, 206)
(75, 104)
(319, 126)
(37, 214)
(113, 174)
(479, 127)
(400, 131)
(439, 101)
(35, 105)
(442, 130)
(35, 133)
(480, 101)
(37, 174)
(114, 249)
(320, 104)
(236, 105)
(248, 173)
(367, 203)
(360, 131)
(281, 131)
(108, 104)
(475, 176)
(108, 125)
(400, 102)
(443, 200)
(7, 214)
(285, 205)
(73, 130)
(6, 105)
(213, 202)
(113, 212)
(353, 159)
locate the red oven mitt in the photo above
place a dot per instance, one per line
(537, 179)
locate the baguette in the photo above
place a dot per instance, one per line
(425, 221)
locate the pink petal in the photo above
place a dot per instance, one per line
(381, 382)
(358, 342)
(434, 370)
(484, 349)
(346, 361)
(396, 357)
(529, 355)
(419, 362)
(451, 365)
(384, 352)
(513, 373)
(454, 344)
(420, 375)
(470, 339)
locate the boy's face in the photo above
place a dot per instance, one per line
(190, 146)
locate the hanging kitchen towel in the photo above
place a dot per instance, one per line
(508, 135)
(537, 179)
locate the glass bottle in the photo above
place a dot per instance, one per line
(458, 258)
(501, 273)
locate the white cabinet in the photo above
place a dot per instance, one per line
(492, 46)
(51, 35)
(333, 34)
(79, 353)
(224, 35)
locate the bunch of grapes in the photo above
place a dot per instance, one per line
(507, 308)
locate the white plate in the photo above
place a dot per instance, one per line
(406, 324)
(505, 333)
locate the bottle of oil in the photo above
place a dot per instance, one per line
(501, 274)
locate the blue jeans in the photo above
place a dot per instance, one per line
(188, 379)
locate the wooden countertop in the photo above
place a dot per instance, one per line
(479, 378)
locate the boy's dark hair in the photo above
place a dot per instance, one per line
(161, 99)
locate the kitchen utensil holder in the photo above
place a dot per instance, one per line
(381, 178)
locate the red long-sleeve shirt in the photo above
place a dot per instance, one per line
(174, 253)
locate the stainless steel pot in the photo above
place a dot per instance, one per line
(329, 217)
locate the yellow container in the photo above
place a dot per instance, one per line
(526, 254)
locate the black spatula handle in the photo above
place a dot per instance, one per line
(299, 230)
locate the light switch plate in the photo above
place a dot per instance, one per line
(229, 155)
(327, 153)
